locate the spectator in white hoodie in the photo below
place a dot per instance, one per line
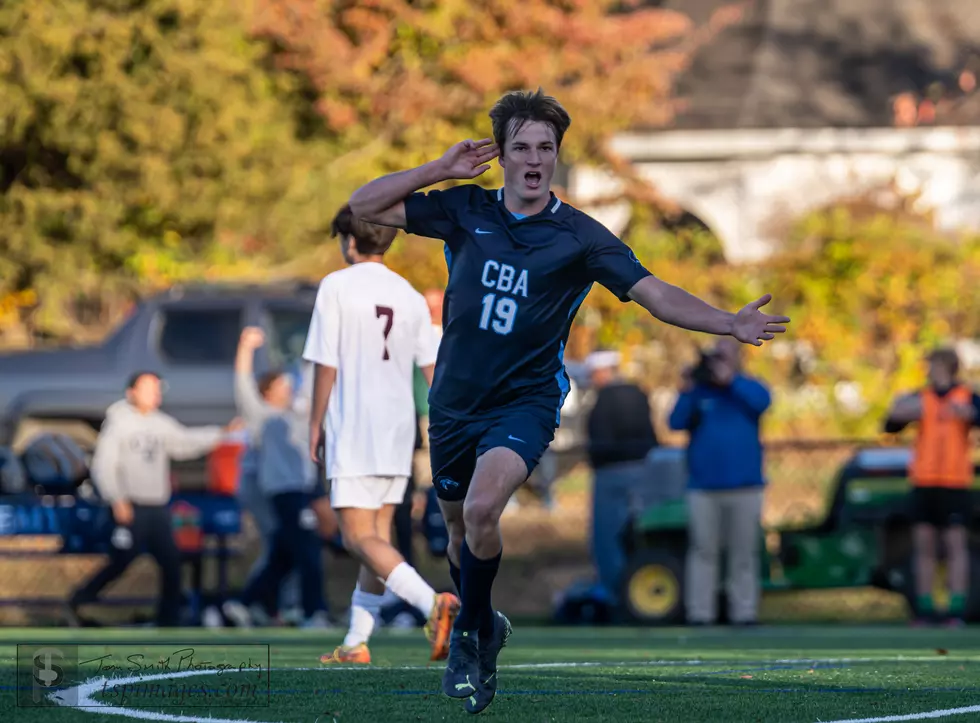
(131, 470)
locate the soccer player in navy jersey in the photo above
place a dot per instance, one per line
(521, 263)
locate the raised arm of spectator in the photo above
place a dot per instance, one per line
(248, 400)
(682, 415)
(752, 394)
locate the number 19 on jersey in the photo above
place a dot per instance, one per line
(499, 310)
(498, 313)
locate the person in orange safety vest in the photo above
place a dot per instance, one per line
(941, 472)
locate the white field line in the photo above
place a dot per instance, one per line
(945, 713)
(81, 697)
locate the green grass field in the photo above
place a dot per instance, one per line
(789, 674)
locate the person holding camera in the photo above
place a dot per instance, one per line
(721, 409)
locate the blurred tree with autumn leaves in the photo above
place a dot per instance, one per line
(145, 142)
(149, 141)
(870, 284)
(142, 142)
(401, 80)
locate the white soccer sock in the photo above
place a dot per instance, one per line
(364, 607)
(407, 584)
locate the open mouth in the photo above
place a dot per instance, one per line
(532, 179)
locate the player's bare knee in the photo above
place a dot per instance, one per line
(354, 540)
(351, 544)
(481, 516)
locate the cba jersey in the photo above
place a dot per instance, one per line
(515, 284)
(373, 328)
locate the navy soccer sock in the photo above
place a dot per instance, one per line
(477, 581)
(454, 574)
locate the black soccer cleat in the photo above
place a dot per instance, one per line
(486, 687)
(463, 666)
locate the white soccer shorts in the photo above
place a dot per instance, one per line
(368, 492)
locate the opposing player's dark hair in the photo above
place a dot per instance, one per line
(515, 109)
(369, 238)
(134, 378)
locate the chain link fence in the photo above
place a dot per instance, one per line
(800, 476)
(547, 547)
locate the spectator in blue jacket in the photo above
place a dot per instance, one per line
(721, 408)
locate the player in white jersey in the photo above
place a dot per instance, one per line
(369, 329)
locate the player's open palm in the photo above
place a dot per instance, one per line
(468, 159)
(753, 326)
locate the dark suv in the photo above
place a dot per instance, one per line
(188, 334)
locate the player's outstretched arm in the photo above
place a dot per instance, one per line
(677, 307)
(382, 201)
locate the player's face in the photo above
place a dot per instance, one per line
(940, 375)
(280, 393)
(529, 159)
(146, 394)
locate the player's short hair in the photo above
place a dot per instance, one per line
(946, 356)
(268, 379)
(517, 108)
(369, 239)
(135, 377)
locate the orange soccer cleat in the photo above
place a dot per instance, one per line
(440, 624)
(341, 654)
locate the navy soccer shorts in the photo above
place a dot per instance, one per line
(455, 445)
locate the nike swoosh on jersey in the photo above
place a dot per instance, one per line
(481, 231)
(516, 439)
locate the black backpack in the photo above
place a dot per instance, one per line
(55, 464)
(13, 479)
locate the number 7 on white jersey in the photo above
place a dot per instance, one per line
(389, 314)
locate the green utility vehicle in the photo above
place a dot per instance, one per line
(864, 541)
